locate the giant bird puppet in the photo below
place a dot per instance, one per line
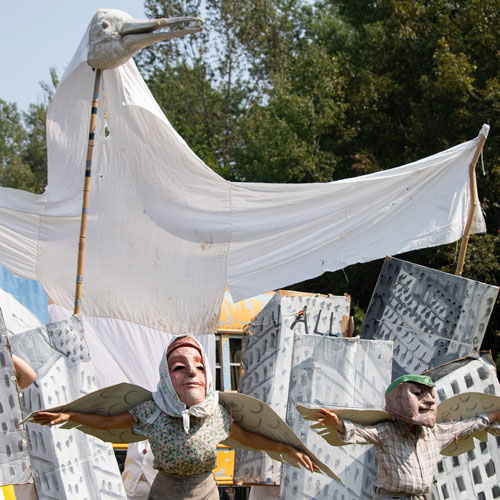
(166, 235)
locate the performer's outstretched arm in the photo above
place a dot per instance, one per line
(120, 421)
(260, 442)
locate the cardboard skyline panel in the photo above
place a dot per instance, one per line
(14, 459)
(66, 464)
(266, 362)
(432, 317)
(335, 372)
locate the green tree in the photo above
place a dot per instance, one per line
(13, 171)
(23, 149)
(295, 134)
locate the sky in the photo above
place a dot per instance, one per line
(37, 35)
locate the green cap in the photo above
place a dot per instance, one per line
(418, 379)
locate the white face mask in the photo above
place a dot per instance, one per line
(168, 401)
(187, 373)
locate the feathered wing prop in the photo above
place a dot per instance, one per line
(468, 405)
(108, 401)
(256, 416)
(454, 409)
(250, 413)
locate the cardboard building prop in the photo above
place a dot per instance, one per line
(294, 353)
(353, 373)
(266, 359)
(268, 341)
(432, 317)
(14, 460)
(65, 464)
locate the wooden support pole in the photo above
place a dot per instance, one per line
(474, 203)
(86, 191)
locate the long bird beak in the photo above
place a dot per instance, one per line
(140, 34)
(115, 36)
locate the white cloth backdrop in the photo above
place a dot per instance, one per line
(166, 234)
(122, 351)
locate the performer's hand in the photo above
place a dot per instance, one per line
(47, 418)
(301, 457)
(328, 417)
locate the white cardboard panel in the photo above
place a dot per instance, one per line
(267, 357)
(432, 317)
(335, 372)
(66, 464)
(14, 460)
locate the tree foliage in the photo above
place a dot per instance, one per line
(23, 149)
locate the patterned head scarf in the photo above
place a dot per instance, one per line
(167, 399)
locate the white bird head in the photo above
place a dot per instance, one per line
(115, 36)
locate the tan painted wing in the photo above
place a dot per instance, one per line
(108, 401)
(462, 406)
(256, 416)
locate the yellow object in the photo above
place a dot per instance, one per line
(8, 492)
(224, 471)
(234, 318)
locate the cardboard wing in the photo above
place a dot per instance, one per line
(256, 416)
(461, 407)
(108, 401)
(454, 409)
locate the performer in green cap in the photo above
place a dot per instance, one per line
(408, 447)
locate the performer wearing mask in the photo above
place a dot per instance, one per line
(408, 447)
(184, 423)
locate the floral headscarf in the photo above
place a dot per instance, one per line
(167, 399)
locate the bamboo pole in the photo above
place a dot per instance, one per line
(474, 203)
(86, 191)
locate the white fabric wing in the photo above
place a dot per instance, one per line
(165, 234)
(284, 233)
